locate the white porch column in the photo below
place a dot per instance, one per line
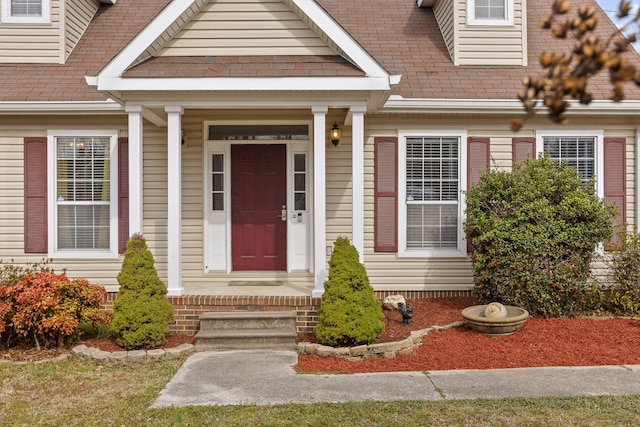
(357, 171)
(174, 200)
(135, 168)
(319, 199)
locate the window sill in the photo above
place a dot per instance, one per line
(432, 253)
(84, 254)
(489, 23)
(25, 21)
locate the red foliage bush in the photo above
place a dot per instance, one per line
(47, 308)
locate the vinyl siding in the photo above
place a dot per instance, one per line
(443, 12)
(251, 27)
(32, 43)
(12, 133)
(193, 274)
(78, 16)
(386, 271)
(491, 45)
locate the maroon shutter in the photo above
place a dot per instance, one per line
(478, 162)
(123, 194)
(35, 195)
(478, 155)
(615, 179)
(386, 194)
(523, 148)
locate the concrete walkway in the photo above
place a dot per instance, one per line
(265, 377)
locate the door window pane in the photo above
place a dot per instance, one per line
(217, 182)
(300, 181)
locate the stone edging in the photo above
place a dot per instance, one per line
(92, 353)
(84, 352)
(361, 352)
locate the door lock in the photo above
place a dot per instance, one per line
(283, 213)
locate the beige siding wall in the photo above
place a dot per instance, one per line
(491, 45)
(34, 43)
(12, 133)
(252, 27)
(387, 271)
(444, 13)
(78, 16)
(193, 191)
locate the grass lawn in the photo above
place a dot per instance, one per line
(78, 393)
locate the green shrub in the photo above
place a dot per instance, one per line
(141, 312)
(48, 308)
(349, 314)
(534, 231)
(90, 330)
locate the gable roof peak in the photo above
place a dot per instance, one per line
(179, 13)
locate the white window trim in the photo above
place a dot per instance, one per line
(51, 197)
(471, 15)
(223, 262)
(599, 149)
(44, 19)
(461, 250)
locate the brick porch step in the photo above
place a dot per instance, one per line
(242, 330)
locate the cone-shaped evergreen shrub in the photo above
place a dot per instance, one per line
(350, 314)
(141, 312)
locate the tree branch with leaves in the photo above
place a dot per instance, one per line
(566, 75)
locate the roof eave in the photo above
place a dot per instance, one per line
(397, 104)
(370, 83)
(61, 107)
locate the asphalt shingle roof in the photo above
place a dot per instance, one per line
(402, 37)
(406, 40)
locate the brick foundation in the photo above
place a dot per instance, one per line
(188, 308)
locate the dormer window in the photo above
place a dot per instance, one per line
(26, 11)
(490, 12)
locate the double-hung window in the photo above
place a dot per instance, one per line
(581, 149)
(26, 11)
(490, 12)
(431, 176)
(83, 194)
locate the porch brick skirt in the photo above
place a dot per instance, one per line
(188, 308)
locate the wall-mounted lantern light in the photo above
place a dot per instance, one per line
(335, 135)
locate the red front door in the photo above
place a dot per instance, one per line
(258, 192)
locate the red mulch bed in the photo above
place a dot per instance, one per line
(540, 342)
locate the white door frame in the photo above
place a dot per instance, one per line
(217, 258)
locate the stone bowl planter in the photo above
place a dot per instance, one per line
(497, 326)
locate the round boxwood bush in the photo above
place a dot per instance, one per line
(141, 312)
(534, 232)
(349, 314)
